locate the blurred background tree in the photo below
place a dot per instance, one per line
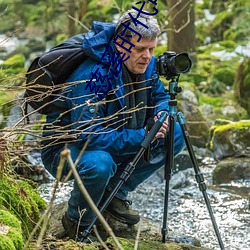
(215, 34)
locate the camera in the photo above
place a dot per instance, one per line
(171, 65)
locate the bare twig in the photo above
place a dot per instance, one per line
(46, 216)
(67, 155)
(99, 238)
(77, 21)
(137, 236)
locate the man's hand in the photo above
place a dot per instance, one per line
(164, 128)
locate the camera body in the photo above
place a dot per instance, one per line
(171, 65)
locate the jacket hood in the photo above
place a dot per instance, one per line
(97, 39)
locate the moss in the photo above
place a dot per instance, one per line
(229, 45)
(221, 132)
(219, 104)
(225, 75)
(6, 243)
(13, 65)
(13, 71)
(22, 200)
(221, 122)
(9, 219)
(16, 237)
(13, 239)
(16, 61)
(236, 125)
(128, 244)
(214, 101)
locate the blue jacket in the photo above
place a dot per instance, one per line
(105, 132)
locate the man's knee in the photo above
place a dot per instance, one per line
(97, 165)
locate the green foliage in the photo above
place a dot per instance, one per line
(219, 102)
(17, 61)
(160, 49)
(216, 67)
(128, 244)
(214, 101)
(229, 23)
(221, 23)
(224, 75)
(242, 84)
(12, 67)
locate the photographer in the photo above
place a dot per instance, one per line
(109, 113)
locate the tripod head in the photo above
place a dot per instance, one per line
(174, 89)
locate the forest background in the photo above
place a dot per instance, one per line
(216, 35)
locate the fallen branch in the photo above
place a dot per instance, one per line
(66, 154)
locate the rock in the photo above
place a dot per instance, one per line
(197, 125)
(231, 169)
(188, 95)
(181, 179)
(227, 110)
(229, 140)
(149, 238)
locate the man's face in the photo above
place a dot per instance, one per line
(140, 55)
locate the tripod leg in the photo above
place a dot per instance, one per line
(168, 173)
(199, 177)
(129, 168)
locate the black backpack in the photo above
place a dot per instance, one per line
(48, 73)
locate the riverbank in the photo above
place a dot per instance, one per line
(188, 216)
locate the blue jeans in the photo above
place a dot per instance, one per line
(100, 170)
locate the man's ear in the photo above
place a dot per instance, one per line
(118, 40)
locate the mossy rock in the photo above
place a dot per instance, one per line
(232, 139)
(21, 199)
(11, 237)
(150, 235)
(219, 107)
(128, 244)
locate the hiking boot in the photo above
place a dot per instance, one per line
(75, 231)
(121, 211)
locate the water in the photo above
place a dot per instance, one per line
(187, 212)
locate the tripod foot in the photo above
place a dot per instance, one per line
(164, 232)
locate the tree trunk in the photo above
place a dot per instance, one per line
(83, 7)
(72, 13)
(181, 27)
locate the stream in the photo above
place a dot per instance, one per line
(187, 212)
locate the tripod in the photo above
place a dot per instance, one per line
(169, 163)
(129, 168)
(173, 90)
